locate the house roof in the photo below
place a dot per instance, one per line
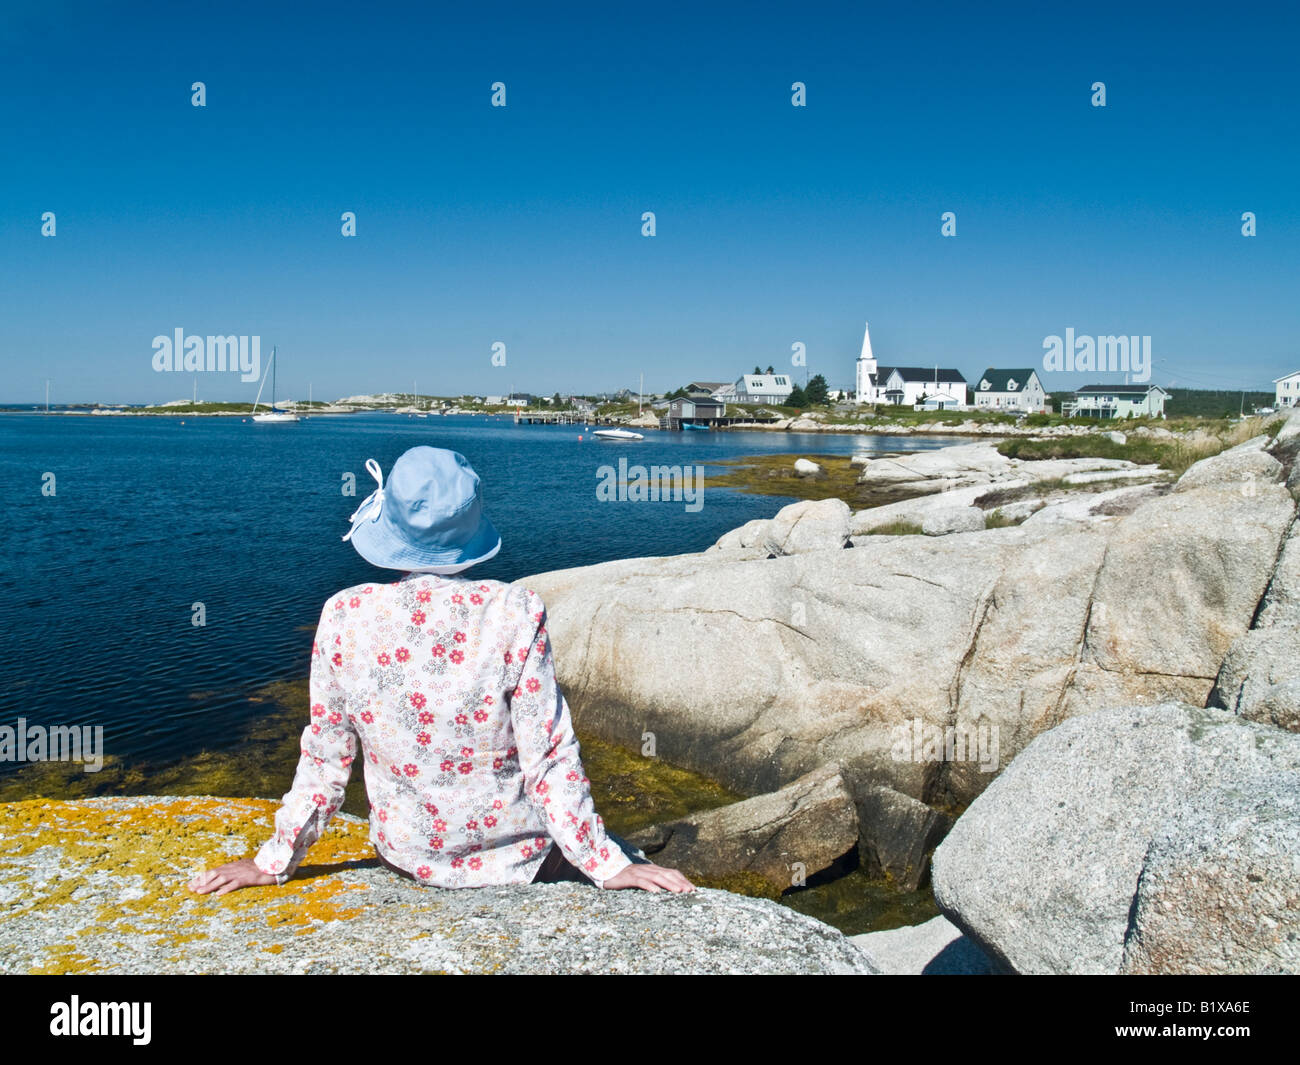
(708, 386)
(1119, 390)
(1285, 376)
(765, 382)
(923, 374)
(1000, 380)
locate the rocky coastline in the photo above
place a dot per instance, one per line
(1064, 693)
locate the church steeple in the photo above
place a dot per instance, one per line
(865, 381)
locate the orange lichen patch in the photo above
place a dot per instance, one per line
(133, 859)
(63, 960)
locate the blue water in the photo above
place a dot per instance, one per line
(154, 514)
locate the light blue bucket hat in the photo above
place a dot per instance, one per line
(428, 518)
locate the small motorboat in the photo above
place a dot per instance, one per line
(698, 428)
(617, 434)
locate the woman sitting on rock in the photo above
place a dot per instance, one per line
(446, 688)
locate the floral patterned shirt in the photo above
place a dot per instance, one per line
(446, 688)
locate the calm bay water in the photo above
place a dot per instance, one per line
(154, 514)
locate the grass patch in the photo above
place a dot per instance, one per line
(897, 528)
(995, 519)
(1175, 455)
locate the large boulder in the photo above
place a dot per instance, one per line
(809, 525)
(800, 829)
(756, 670)
(1044, 870)
(1220, 886)
(897, 835)
(99, 886)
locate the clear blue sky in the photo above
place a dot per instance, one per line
(522, 225)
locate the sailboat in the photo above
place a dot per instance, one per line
(274, 414)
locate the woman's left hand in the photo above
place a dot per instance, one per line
(229, 877)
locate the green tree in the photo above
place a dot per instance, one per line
(757, 370)
(797, 398)
(817, 390)
(771, 369)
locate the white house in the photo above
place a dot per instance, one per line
(772, 388)
(907, 385)
(1117, 401)
(1288, 390)
(1018, 389)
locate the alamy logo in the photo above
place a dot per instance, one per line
(637, 484)
(917, 741)
(195, 354)
(102, 1018)
(1108, 354)
(59, 743)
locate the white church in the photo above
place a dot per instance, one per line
(933, 388)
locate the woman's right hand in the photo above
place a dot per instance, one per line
(649, 877)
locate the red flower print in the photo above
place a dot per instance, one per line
(447, 765)
(396, 772)
(423, 596)
(318, 799)
(523, 653)
(466, 767)
(424, 739)
(482, 588)
(460, 637)
(318, 710)
(476, 863)
(467, 752)
(571, 775)
(383, 838)
(488, 699)
(527, 852)
(346, 760)
(589, 864)
(461, 719)
(417, 617)
(338, 604)
(355, 601)
(457, 656)
(315, 730)
(440, 825)
(367, 589)
(489, 821)
(426, 717)
(542, 787)
(539, 842)
(497, 763)
(438, 650)
(403, 654)
(418, 700)
(480, 715)
(541, 647)
(456, 863)
(458, 598)
(384, 660)
(509, 657)
(496, 804)
(431, 808)
(367, 717)
(518, 693)
(476, 599)
(534, 684)
(382, 815)
(335, 718)
(337, 659)
(471, 824)
(436, 843)
(424, 872)
(411, 770)
(374, 758)
(604, 853)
